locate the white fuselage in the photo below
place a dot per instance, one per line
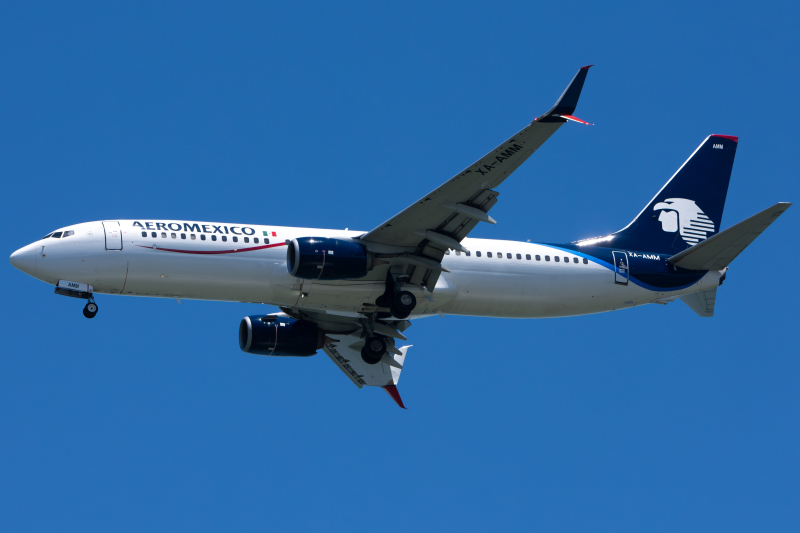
(166, 263)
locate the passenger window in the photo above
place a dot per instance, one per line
(154, 234)
(246, 239)
(519, 256)
(458, 252)
(575, 260)
(477, 254)
(213, 237)
(193, 236)
(528, 257)
(68, 233)
(266, 241)
(488, 254)
(224, 238)
(566, 259)
(236, 239)
(183, 236)
(538, 257)
(557, 259)
(508, 256)
(163, 235)
(467, 253)
(585, 261)
(255, 240)
(173, 236)
(144, 234)
(547, 258)
(499, 255)
(447, 252)
(202, 237)
(57, 235)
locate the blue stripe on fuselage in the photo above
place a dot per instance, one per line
(656, 278)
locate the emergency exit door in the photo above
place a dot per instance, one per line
(113, 235)
(621, 270)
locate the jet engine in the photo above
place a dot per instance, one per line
(279, 335)
(327, 258)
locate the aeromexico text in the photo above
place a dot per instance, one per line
(197, 228)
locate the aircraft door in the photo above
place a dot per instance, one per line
(113, 235)
(621, 270)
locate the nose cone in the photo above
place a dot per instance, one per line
(24, 259)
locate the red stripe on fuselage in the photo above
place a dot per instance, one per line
(206, 252)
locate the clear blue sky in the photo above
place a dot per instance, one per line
(149, 417)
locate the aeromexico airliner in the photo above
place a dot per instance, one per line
(352, 293)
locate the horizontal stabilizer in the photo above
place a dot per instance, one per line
(702, 302)
(717, 252)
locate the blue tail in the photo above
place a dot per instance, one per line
(688, 209)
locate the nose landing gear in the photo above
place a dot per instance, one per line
(90, 309)
(83, 291)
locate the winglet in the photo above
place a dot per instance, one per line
(392, 391)
(566, 105)
(575, 119)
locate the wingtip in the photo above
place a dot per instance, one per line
(392, 391)
(575, 119)
(568, 101)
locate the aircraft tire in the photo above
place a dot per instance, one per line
(373, 350)
(90, 310)
(402, 304)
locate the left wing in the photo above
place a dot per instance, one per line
(441, 219)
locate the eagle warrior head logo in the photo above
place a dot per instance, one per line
(680, 214)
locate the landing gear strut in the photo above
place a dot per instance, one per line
(90, 309)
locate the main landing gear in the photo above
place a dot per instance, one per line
(402, 304)
(399, 302)
(373, 350)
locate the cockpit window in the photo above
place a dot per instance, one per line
(57, 235)
(68, 233)
(48, 235)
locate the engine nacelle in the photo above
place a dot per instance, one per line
(327, 258)
(279, 335)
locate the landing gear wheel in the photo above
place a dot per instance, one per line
(90, 310)
(373, 350)
(402, 304)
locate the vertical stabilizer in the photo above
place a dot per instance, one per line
(688, 209)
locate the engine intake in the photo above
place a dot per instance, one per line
(327, 258)
(279, 335)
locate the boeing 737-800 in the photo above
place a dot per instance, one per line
(352, 293)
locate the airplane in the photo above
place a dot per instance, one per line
(352, 294)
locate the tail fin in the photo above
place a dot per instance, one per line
(688, 209)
